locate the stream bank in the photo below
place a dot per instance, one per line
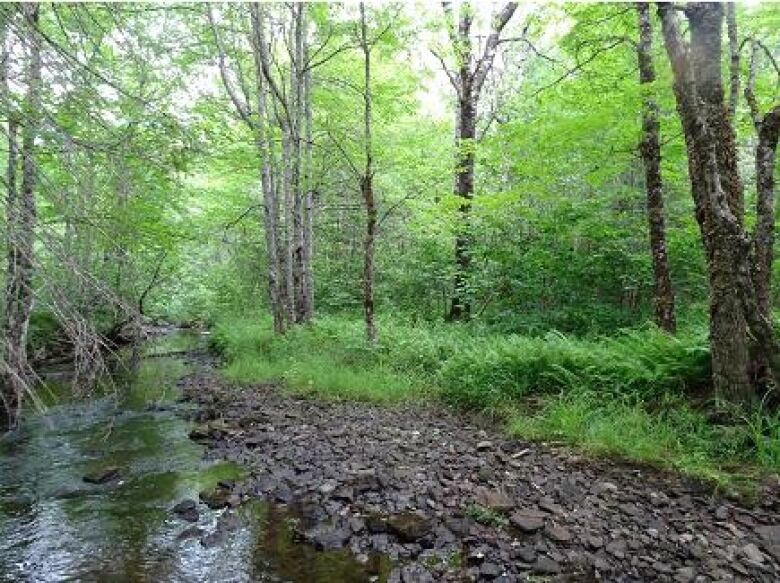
(445, 499)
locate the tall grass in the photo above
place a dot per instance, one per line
(642, 362)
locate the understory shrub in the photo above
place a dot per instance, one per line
(645, 361)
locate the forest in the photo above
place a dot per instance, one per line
(547, 224)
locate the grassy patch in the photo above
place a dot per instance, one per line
(317, 375)
(486, 516)
(330, 359)
(628, 395)
(669, 434)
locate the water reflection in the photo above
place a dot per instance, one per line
(56, 527)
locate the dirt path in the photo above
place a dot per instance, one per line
(447, 500)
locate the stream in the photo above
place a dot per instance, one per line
(55, 526)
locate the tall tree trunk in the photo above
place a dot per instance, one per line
(289, 231)
(23, 213)
(466, 128)
(663, 297)
(766, 149)
(718, 196)
(460, 308)
(731, 25)
(367, 187)
(308, 217)
(296, 106)
(767, 128)
(468, 81)
(270, 201)
(8, 395)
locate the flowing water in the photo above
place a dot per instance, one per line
(56, 527)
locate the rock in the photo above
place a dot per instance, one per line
(214, 538)
(102, 476)
(379, 543)
(605, 488)
(490, 570)
(327, 538)
(215, 498)
(190, 532)
(769, 534)
(186, 510)
(752, 553)
(773, 550)
(443, 536)
(345, 494)
(327, 488)
(617, 548)
(685, 574)
(376, 524)
(546, 566)
(594, 542)
(525, 522)
(415, 573)
(557, 534)
(495, 500)
(408, 526)
(526, 554)
(484, 445)
(548, 505)
(200, 433)
(722, 512)
(476, 556)
(357, 524)
(228, 522)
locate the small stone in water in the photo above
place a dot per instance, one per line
(187, 510)
(102, 476)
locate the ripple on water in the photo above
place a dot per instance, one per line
(54, 526)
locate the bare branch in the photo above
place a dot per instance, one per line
(241, 107)
(450, 75)
(485, 63)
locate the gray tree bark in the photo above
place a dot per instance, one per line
(259, 122)
(650, 147)
(367, 186)
(22, 217)
(767, 127)
(270, 200)
(468, 81)
(737, 327)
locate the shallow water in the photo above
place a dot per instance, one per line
(56, 527)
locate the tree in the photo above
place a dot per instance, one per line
(650, 147)
(467, 81)
(767, 126)
(288, 234)
(21, 214)
(737, 325)
(367, 185)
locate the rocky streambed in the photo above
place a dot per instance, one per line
(421, 495)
